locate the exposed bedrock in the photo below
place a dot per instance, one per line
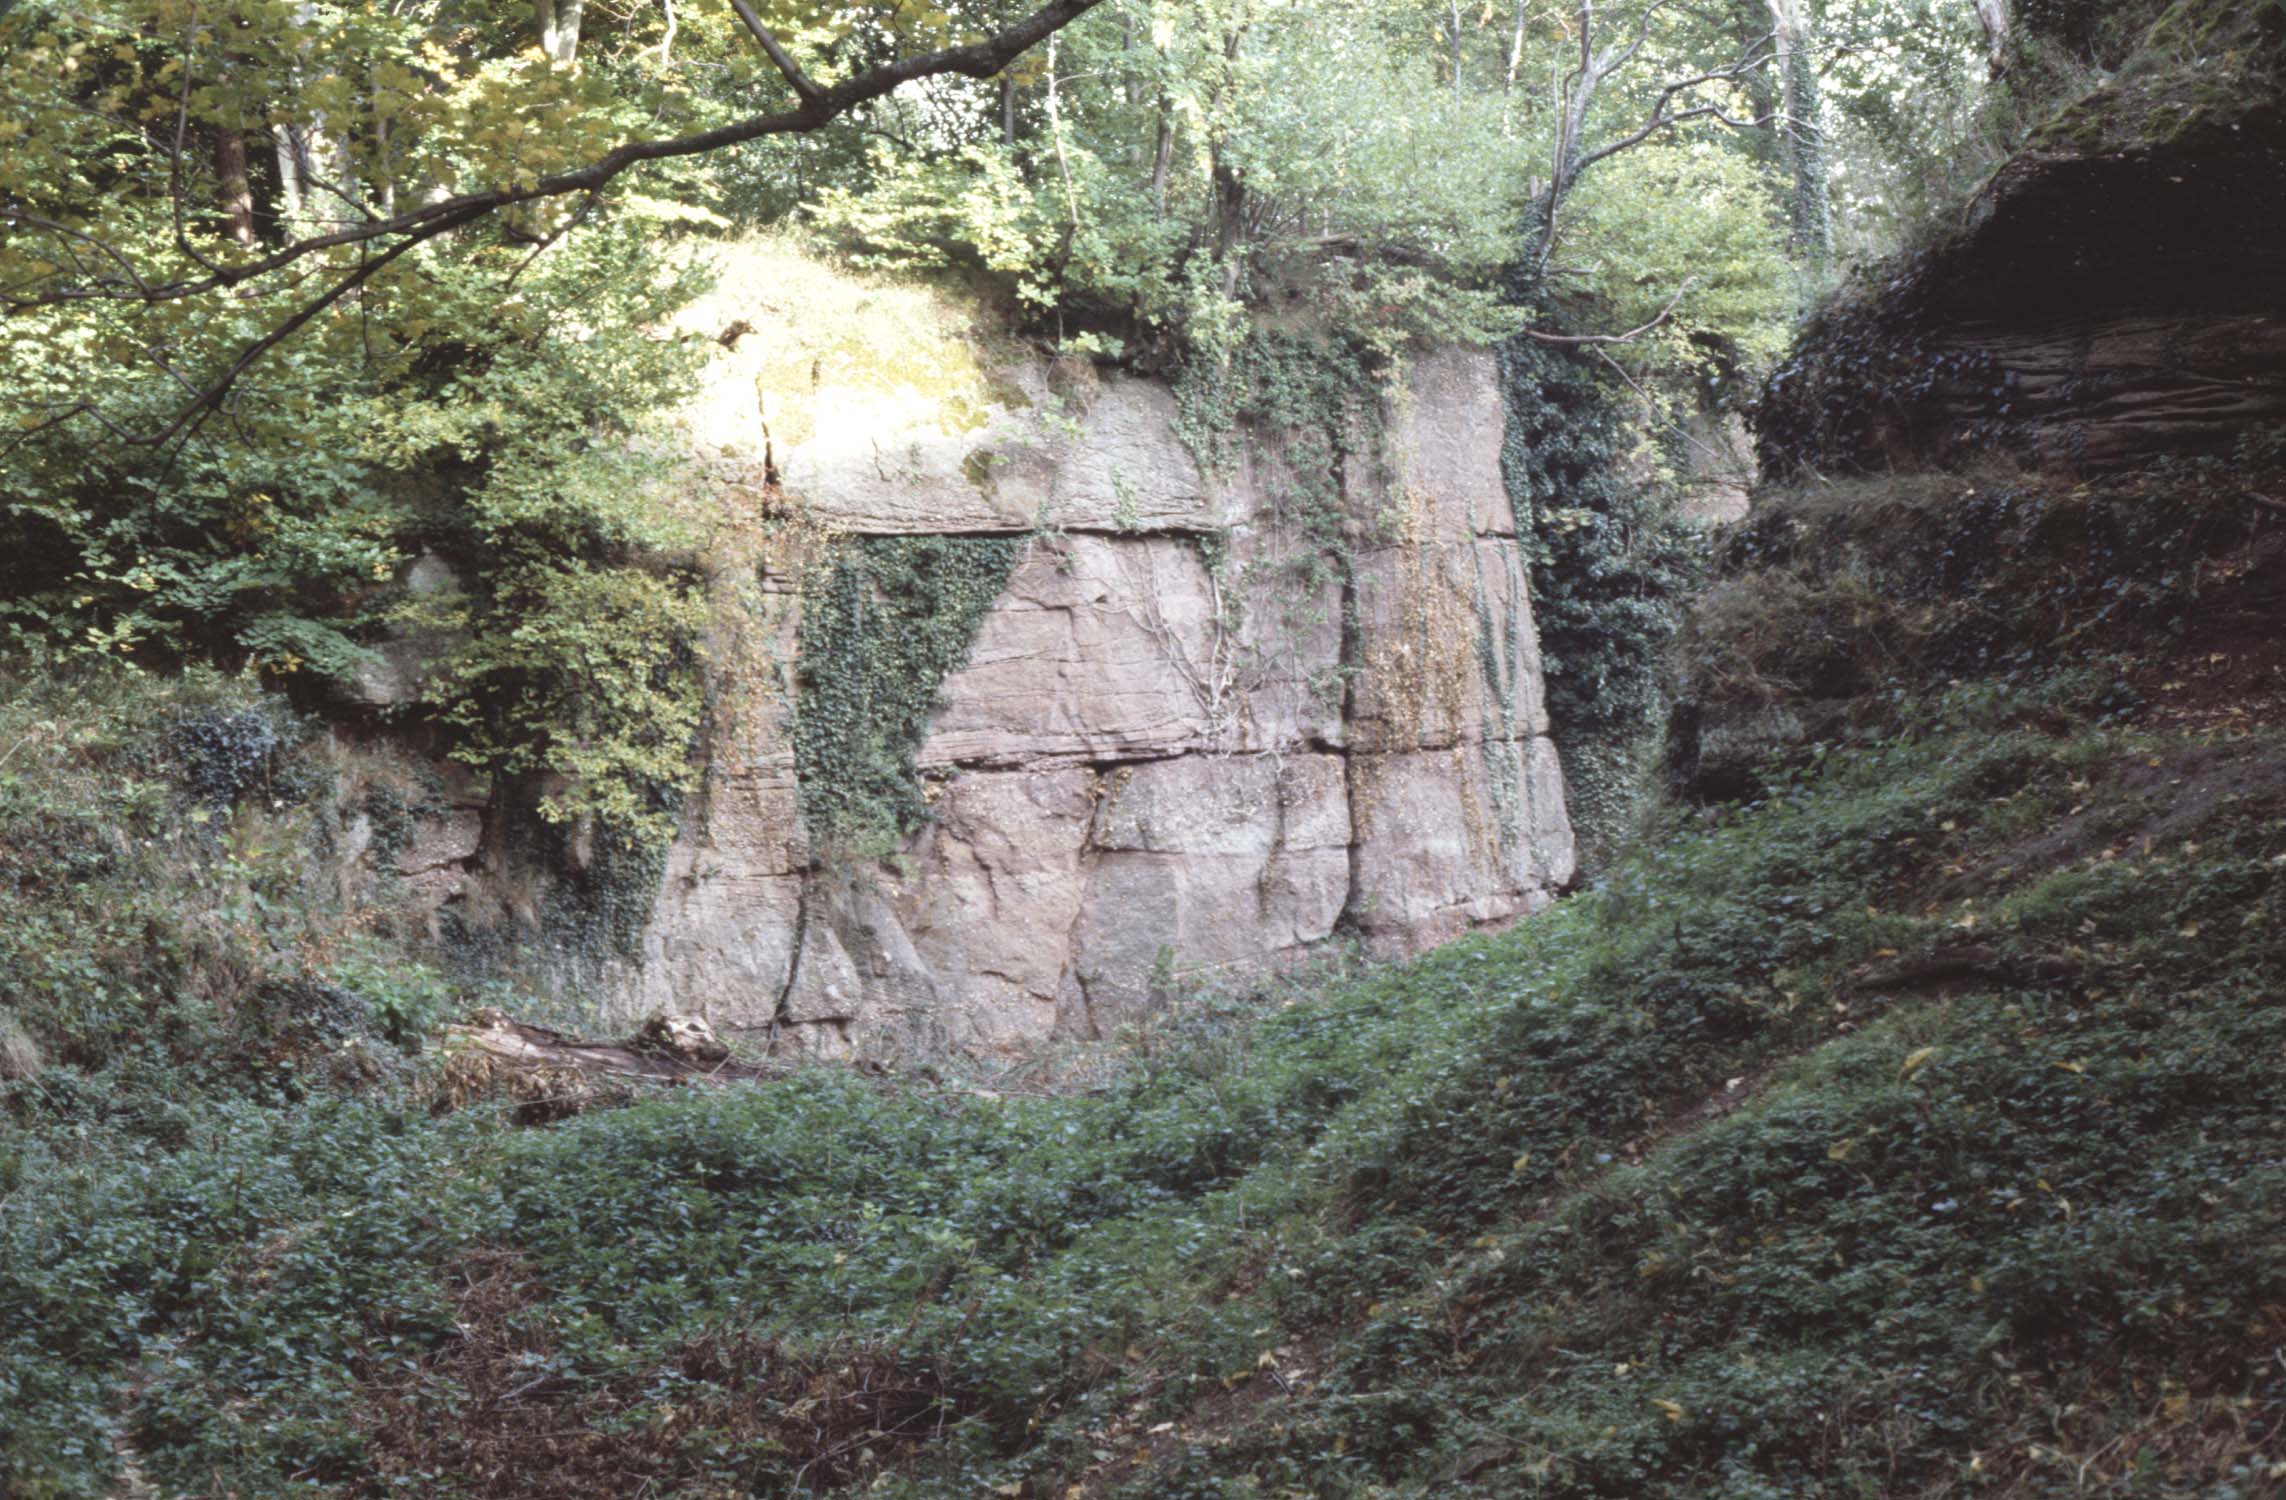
(2115, 293)
(1182, 744)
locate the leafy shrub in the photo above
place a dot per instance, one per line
(583, 683)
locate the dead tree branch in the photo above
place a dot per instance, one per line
(1587, 340)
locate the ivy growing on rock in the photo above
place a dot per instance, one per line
(1321, 391)
(1865, 378)
(882, 626)
(1613, 561)
(1320, 398)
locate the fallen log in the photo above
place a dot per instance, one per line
(549, 1075)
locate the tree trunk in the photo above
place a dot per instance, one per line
(385, 179)
(1992, 15)
(1229, 189)
(548, 1076)
(1230, 224)
(522, 1045)
(1129, 84)
(1516, 45)
(1453, 7)
(1163, 151)
(1801, 137)
(1750, 29)
(559, 29)
(236, 188)
(1163, 159)
(569, 14)
(329, 192)
(293, 173)
(1063, 164)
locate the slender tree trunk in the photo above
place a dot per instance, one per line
(1750, 29)
(313, 173)
(1571, 129)
(1007, 111)
(1992, 15)
(1453, 9)
(1163, 157)
(293, 172)
(1230, 224)
(1229, 188)
(1129, 84)
(1516, 46)
(329, 190)
(385, 180)
(1063, 165)
(236, 188)
(1801, 138)
(1163, 149)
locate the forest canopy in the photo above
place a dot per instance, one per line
(294, 293)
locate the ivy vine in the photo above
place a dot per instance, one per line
(1321, 397)
(882, 626)
(1613, 563)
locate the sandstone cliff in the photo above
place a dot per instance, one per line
(1205, 725)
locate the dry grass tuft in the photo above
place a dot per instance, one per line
(19, 1057)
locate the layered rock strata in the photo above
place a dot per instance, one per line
(2115, 293)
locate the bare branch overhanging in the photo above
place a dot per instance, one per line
(818, 107)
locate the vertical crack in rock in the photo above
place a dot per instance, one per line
(1160, 744)
(782, 1011)
(1355, 793)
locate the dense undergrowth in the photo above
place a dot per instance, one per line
(1831, 611)
(1916, 1130)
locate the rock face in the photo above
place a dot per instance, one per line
(2116, 292)
(1175, 750)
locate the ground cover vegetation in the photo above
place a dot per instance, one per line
(1911, 1130)
(1898, 1115)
